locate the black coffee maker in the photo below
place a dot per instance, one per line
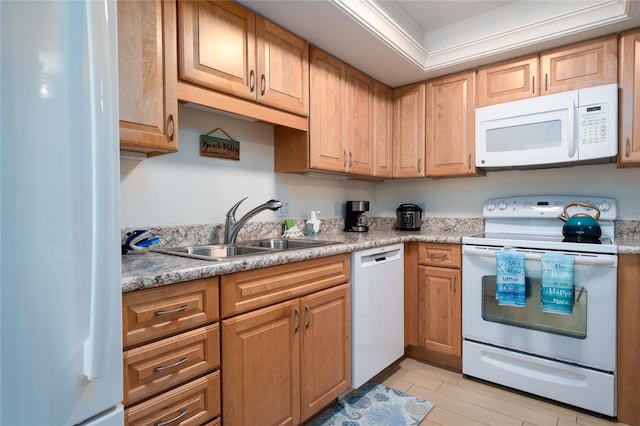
(356, 220)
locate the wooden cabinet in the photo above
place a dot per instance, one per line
(284, 362)
(382, 130)
(434, 322)
(629, 81)
(225, 47)
(628, 364)
(587, 64)
(508, 81)
(409, 131)
(172, 340)
(450, 122)
(147, 76)
(341, 128)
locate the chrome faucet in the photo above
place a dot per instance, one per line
(232, 227)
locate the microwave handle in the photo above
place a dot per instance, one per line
(571, 143)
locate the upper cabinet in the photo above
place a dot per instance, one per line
(508, 81)
(228, 48)
(341, 129)
(450, 141)
(147, 76)
(382, 130)
(587, 64)
(629, 149)
(409, 131)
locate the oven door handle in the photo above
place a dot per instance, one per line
(579, 259)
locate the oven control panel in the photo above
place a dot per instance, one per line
(547, 206)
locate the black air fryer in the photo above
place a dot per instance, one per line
(408, 217)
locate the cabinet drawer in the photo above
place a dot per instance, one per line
(245, 291)
(157, 366)
(188, 405)
(160, 312)
(444, 255)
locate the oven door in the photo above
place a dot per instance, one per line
(587, 336)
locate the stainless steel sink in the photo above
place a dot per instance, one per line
(221, 252)
(284, 244)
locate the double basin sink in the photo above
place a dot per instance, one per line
(220, 252)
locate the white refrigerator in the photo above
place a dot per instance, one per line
(60, 276)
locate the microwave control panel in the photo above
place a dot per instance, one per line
(592, 124)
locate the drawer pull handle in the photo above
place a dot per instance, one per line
(178, 417)
(307, 312)
(166, 367)
(296, 312)
(438, 256)
(171, 311)
(455, 281)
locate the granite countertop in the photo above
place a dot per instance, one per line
(140, 271)
(152, 269)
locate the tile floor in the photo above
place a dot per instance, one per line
(460, 401)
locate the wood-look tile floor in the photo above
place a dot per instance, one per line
(461, 401)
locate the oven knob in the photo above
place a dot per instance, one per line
(604, 206)
(502, 205)
(491, 206)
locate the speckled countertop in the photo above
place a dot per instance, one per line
(152, 269)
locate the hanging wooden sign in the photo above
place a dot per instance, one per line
(212, 146)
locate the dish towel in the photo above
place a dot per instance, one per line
(510, 280)
(557, 283)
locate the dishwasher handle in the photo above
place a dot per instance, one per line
(381, 258)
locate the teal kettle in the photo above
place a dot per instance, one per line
(581, 227)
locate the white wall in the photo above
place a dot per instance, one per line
(185, 188)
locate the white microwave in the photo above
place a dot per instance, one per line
(562, 129)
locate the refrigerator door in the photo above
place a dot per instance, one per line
(60, 300)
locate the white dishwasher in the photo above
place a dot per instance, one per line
(377, 310)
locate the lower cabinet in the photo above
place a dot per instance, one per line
(284, 362)
(628, 338)
(434, 323)
(171, 357)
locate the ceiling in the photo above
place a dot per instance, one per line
(404, 41)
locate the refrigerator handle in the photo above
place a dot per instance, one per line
(103, 125)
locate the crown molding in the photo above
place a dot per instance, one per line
(515, 26)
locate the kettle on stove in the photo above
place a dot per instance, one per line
(581, 227)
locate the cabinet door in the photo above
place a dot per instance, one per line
(408, 131)
(450, 145)
(588, 64)
(357, 128)
(261, 366)
(507, 81)
(629, 151)
(628, 338)
(327, 79)
(283, 68)
(440, 310)
(382, 130)
(147, 76)
(218, 46)
(326, 348)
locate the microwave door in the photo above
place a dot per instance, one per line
(537, 131)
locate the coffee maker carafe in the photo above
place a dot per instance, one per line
(356, 220)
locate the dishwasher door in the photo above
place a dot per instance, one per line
(377, 310)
